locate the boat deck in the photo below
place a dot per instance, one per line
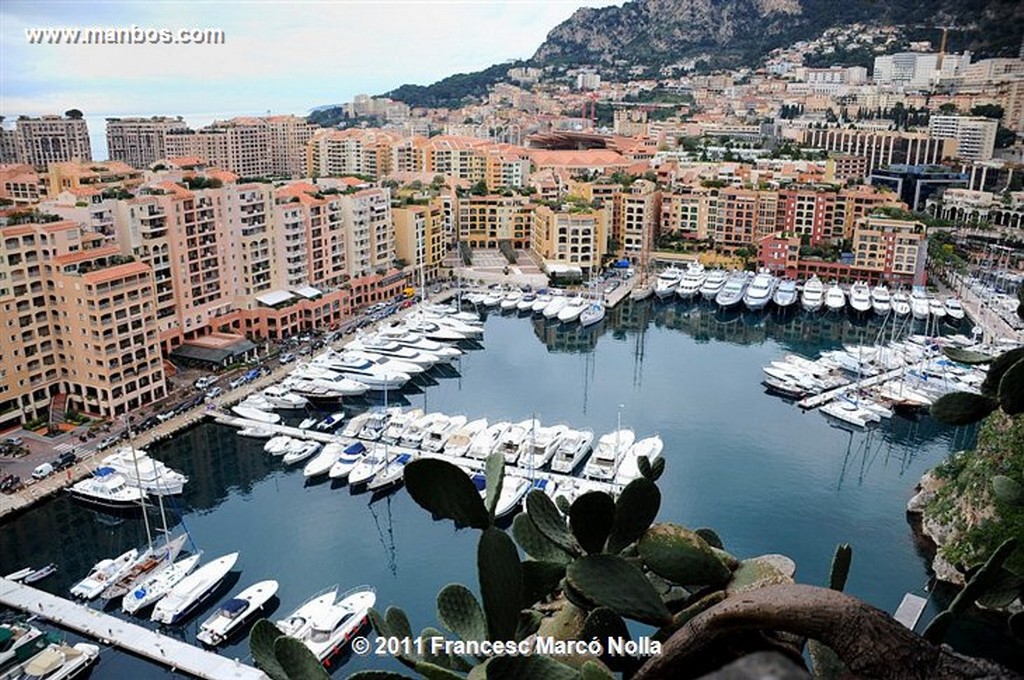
(910, 610)
(150, 644)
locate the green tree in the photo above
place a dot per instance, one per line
(988, 111)
(479, 189)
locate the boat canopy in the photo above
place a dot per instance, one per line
(355, 448)
(480, 482)
(233, 607)
(104, 471)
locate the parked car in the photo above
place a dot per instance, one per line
(237, 382)
(10, 483)
(14, 441)
(107, 442)
(214, 393)
(205, 382)
(147, 423)
(43, 471)
(65, 460)
(286, 358)
(165, 416)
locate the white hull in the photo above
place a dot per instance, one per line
(572, 450)
(219, 627)
(192, 590)
(103, 574)
(154, 588)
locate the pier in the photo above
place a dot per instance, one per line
(910, 610)
(822, 398)
(150, 644)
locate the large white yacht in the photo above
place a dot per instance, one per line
(332, 626)
(881, 300)
(190, 591)
(608, 454)
(389, 348)
(786, 294)
(415, 341)
(690, 283)
(108, 488)
(712, 285)
(571, 451)
(103, 574)
(813, 295)
(510, 443)
(149, 474)
(458, 442)
(539, 447)
(732, 292)
(860, 297)
(667, 282)
(759, 292)
(233, 613)
(835, 298)
(440, 431)
(363, 370)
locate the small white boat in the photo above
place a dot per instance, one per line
(458, 442)
(629, 469)
(324, 461)
(278, 446)
(256, 432)
(881, 300)
(307, 450)
(40, 573)
(513, 490)
(190, 591)
(594, 313)
(59, 661)
(813, 295)
(355, 425)
(554, 308)
(20, 574)
(399, 423)
(372, 462)
(308, 423)
(108, 489)
(299, 623)
(413, 436)
(835, 298)
(487, 440)
(331, 422)
(571, 451)
(332, 627)
(608, 454)
(281, 397)
(233, 613)
(391, 474)
(152, 589)
(440, 431)
(255, 414)
(540, 445)
(572, 309)
(849, 412)
(103, 574)
(347, 459)
(511, 441)
(525, 303)
(954, 308)
(511, 301)
(541, 303)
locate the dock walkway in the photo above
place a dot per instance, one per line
(150, 644)
(822, 398)
(910, 610)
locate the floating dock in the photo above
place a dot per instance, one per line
(150, 644)
(822, 398)
(910, 610)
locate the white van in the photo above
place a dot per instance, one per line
(43, 471)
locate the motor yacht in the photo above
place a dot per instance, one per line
(433, 331)
(413, 436)
(691, 281)
(919, 303)
(255, 414)
(58, 661)
(881, 300)
(835, 298)
(189, 592)
(148, 474)
(299, 623)
(954, 308)
(592, 314)
(542, 301)
(572, 309)
(333, 626)
(461, 439)
(572, 449)
(282, 397)
(399, 423)
(372, 462)
(103, 574)
(629, 468)
(608, 454)
(256, 432)
(936, 308)
(850, 413)
(347, 459)
(381, 346)
(331, 422)
(860, 297)
(487, 440)
(257, 402)
(234, 612)
(540, 445)
(156, 586)
(328, 392)
(375, 425)
(511, 301)
(415, 341)
(900, 303)
(307, 450)
(813, 295)
(555, 307)
(109, 489)
(385, 363)
(525, 303)
(785, 294)
(667, 282)
(733, 290)
(365, 371)
(513, 489)
(713, 283)
(759, 292)
(355, 425)
(322, 463)
(278, 446)
(440, 431)
(510, 443)
(494, 298)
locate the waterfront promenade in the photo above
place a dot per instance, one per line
(150, 644)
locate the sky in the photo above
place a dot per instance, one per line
(278, 57)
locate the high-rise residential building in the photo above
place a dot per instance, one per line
(79, 327)
(635, 219)
(140, 142)
(918, 70)
(486, 221)
(975, 136)
(371, 153)
(98, 175)
(575, 236)
(8, 144)
(420, 238)
(51, 139)
(250, 147)
(897, 249)
(881, 147)
(684, 212)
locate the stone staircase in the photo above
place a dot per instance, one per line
(58, 410)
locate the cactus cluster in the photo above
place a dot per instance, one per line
(282, 657)
(1003, 388)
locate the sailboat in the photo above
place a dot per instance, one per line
(643, 288)
(594, 311)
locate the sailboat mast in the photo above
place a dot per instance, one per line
(138, 478)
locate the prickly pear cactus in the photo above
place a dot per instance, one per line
(459, 612)
(612, 582)
(297, 661)
(261, 645)
(962, 408)
(444, 490)
(681, 556)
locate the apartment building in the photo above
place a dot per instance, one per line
(249, 147)
(461, 158)
(975, 136)
(141, 142)
(684, 212)
(79, 325)
(575, 236)
(370, 153)
(98, 175)
(420, 239)
(739, 217)
(881, 148)
(51, 139)
(485, 221)
(897, 249)
(635, 220)
(21, 184)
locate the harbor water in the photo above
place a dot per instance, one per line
(765, 475)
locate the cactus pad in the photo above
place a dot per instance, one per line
(501, 582)
(591, 518)
(611, 581)
(297, 661)
(962, 408)
(445, 490)
(459, 612)
(550, 522)
(536, 544)
(635, 510)
(1011, 389)
(495, 474)
(681, 556)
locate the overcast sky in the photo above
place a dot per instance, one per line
(283, 57)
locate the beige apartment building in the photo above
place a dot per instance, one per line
(895, 248)
(50, 139)
(975, 136)
(371, 153)
(635, 219)
(575, 237)
(249, 147)
(20, 184)
(420, 239)
(99, 175)
(485, 221)
(140, 142)
(78, 326)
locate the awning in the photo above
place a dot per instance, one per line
(274, 297)
(308, 292)
(213, 355)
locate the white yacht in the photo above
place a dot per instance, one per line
(158, 585)
(525, 303)
(572, 450)
(690, 283)
(386, 363)
(149, 474)
(608, 454)
(413, 436)
(511, 300)
(333, 626)
(813, 295)
(233, 613)
(900, 303)
(399, 423)
(324, 391)
(860, 297)
(103, 574)
(458, 442)
(786, 294)
(255, 414)
(494, 298)
(347, 459)
(415, 341)
(849, 412)
(510, 443)
(513, 489)
(487, 440)
(324, 461)
(936, 308)
(440, 431)
(391, 474)
(389, 348)
(364, 371)
(572, 309)
(305, 451)
(59, 661)
(107, 488)
(375, 425)
(539, 447)
(835, 298)
(468, 329)
(881, 300)
(629, 469)
(667, 282)
(759, 292)
(712, 285)
(733, 290)
(279, 445)
(299, 623)
(593, 313)
(555, 307)
(190, 591)
(372, 462)
(151, 561)
(430, 330)
(256, 402)
(331, 422)
(355, 425)
(954, 308)
(542, 301)
(919, 306)
(281, 397)
(256, 432)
